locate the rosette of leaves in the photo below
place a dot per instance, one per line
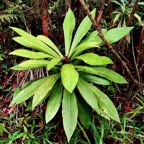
(72, 76)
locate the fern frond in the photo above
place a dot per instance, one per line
(8, 17)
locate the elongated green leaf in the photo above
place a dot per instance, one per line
(116, 34)
(106, 104)
(34, 41)
(94, 79)
(69, 113)
(104, 72)
(54, 103)
(52, 63)
(94, 59)
(44, 89)
(47, 41)
(30, 64)
(89, 96)
(82, 47)
(93, 37)
(2, 128)
(110, 75)
(81, 31)
(27, 92)
(69, 77)
(68, 27)
(84, 112)
(30, 54)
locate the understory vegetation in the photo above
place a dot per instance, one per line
(71, 72)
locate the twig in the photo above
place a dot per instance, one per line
(98, 28)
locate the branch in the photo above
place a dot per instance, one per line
(98, 28)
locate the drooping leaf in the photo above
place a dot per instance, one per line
(47, 41)
(106, 104)
(81, 31)
(94, 79)
(69, 113)
(27, 92)
(84, 112)
(54, 103)
(30, 64)
(94, 59)
(68, 27)
(52, 63)
(115, 34)
(103, 72)
(43, 90)
(69, 77)
(89, 96)
(82, 47)
(33, 41)
(30, 54)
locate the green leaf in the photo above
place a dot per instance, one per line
(84, 112)
(94, 79)
(47, 41)
(110, 75)
(27, 92)
(116, 34)
(54, 103)
(94, 59)
(52, 63)
(69, 77)
(82, 47)
(68, 27)
(30, 64)
(103, 72)
(32, 40)
(89, 96)
(81, 31)
(30, 54)
(93, 37)
(106, 104)
(43, 90)
(2, 128)
(69, 113)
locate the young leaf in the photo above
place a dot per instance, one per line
(69, 77)
(69, 113)
(44, 89)
(106, 104)
(27, 92)
(94, 59)
(30, 54)
(30, 64)
(68, 27)
(47, 41)
(94, 79)
(89, 96)
(84, 112)
(52, 63)
(54, 103)
(82, 47)
(81, 31)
